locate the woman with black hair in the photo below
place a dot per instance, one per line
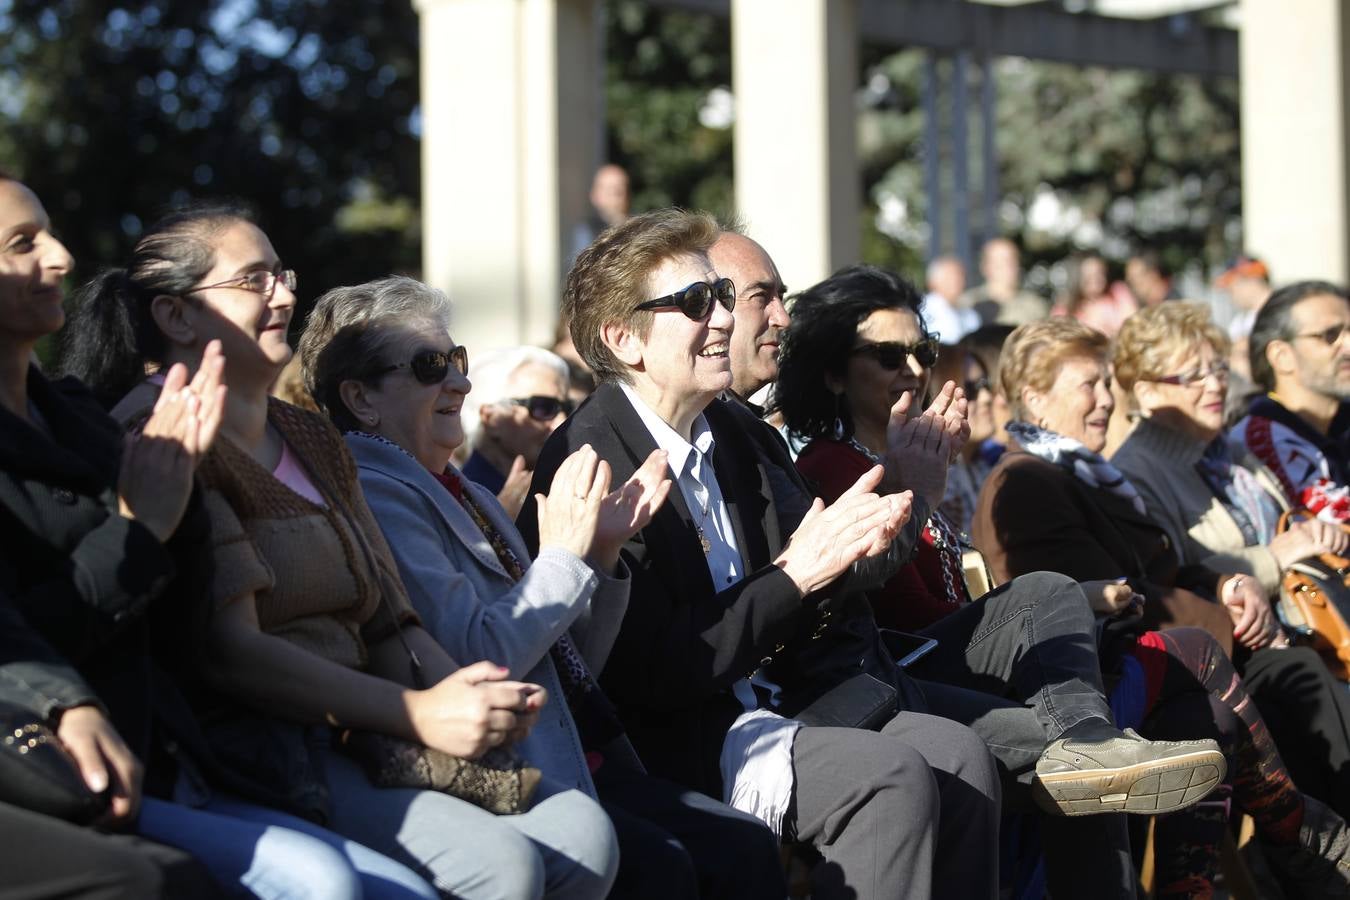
(311, 631)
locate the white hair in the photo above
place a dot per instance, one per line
(492, 371)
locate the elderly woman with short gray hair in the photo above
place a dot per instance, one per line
(379, 359)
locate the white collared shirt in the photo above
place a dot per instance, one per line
(692, 463)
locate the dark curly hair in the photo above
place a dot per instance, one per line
(824, 328)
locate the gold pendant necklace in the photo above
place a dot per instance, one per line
(703, 540)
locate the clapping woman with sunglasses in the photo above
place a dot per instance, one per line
(311, 631)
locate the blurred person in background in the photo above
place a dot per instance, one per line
(986, 343)
(1088, 296)
(943, 314)
(610, 200)
(1300, 429)
(1001, 299)
(1148, 279)
(520, 395)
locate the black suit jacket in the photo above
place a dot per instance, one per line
(683, 643)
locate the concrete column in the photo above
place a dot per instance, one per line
(1295, 189)
(794, 72)
(509, 118)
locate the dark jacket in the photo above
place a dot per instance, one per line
(1034, 515)
(81, 585)
(683, 644)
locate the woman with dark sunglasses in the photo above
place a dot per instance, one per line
(961, 365)
(310, 629)
(550, 620)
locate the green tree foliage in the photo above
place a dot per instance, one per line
(305, 109)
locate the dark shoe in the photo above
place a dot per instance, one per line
(1116, 771)
(1318, 865)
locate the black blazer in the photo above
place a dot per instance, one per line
(683, 643)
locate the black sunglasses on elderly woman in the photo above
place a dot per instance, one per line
(696, 301)
(431, 366)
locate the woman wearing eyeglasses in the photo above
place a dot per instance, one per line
(311, 631)
(961, 365)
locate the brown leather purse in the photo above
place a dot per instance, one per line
(1315, 602)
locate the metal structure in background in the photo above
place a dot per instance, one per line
(964, 36)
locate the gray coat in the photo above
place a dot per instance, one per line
(470, 604)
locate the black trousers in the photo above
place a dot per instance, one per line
(42, 858)
(678, 844)
(1308, 713)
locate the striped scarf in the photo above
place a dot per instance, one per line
(1087, 466)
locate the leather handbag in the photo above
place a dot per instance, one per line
(37, 773)
(1315, 603)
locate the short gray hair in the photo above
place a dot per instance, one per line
(492, 371)
(353, 332)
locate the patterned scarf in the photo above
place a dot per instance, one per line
(1255, 512)
(1087, 466)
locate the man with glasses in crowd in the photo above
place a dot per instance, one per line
(519, 397)
(1300, 428)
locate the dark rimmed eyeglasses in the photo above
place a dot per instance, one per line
(892, 354)
(259, 281)
(696, 301)
(1219, 369)
(544, 409)
(974, 387)
(1329, 335)
(431, 366)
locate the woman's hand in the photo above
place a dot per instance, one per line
(569, 514)
(1307, 538)
(832, 538)
(516, 488)
(475, 709)
(1110, 597)
(628, 509)
(105, 761)
(1254, 622)
(155, 480)
(919, 451)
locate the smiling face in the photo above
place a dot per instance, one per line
(759, 313)
(250, 326)
(1194, 408)
(872, 389)
(980, 411)
(421, 418)
(1078, 404)
(33, 264)
(681, 365)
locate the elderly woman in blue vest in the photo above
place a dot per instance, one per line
(470, 576)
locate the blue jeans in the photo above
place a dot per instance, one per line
(253, 851)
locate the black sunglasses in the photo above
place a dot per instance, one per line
(544, 409)
(892, 354)
(696, 301)
(973, 388)
(430, 366)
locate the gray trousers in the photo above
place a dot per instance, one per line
(911, 811)
(1019, 666)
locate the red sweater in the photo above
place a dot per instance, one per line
(917, 595)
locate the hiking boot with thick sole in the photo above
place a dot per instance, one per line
(1114, 771)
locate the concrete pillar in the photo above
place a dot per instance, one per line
(794, 73)
(509, 118)
(1295, 189)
